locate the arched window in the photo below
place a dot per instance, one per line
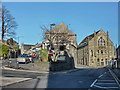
(91, 53)
(98, 62)
(101, 42)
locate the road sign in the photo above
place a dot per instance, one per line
(50, 53)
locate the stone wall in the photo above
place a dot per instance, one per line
(67, 64)
(41, 66)
(72, 51)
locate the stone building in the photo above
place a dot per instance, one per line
(61, 35)
(96, 50)
(14, 50)
(25, 48)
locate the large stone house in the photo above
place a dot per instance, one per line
(96, 50)
(61, 35)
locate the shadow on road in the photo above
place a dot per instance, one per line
(36, 84)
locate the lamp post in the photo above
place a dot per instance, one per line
(19, 39)
(51, 25)
(18, 51)
(50, 33)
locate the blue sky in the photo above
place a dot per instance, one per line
(83, 17)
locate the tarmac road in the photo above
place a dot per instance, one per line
(83, 78)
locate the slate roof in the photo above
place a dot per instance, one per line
(27, 47)
(61, 28)
(85, 40)
(88, 37)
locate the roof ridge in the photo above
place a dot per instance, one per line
(92, 35)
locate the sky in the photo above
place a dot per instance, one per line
(82, 18)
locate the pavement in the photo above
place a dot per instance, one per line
(54, 72)
(36, 67)
(8, 80)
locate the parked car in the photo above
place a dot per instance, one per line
(23, 58)
(34, 57)
(61, 57)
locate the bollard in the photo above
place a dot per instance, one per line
(9, 63)
(17, 64)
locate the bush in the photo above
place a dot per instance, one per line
(43, 53)
(4, 49)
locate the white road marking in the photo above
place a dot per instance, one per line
(102, 75)
(96, 80)
(93, 83)
(106, 80)
(105, 83)
(104, 87)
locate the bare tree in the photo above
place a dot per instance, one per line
(44, 30)
(8, 23)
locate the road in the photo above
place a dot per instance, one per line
(80, 78)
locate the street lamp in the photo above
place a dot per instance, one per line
(50, 33)
(18, 51)
(51, 25)
(19, 39)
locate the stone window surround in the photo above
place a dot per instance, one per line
(99, 51)
(101, 41)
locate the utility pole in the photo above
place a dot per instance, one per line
(19, 39)
(18, 51)
(50, 33)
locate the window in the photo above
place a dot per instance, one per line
(101, 42)
(98, 51)
(101, 51)
(101, 60)
(98, 60)
(91, 53)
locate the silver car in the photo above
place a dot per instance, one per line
(23, 58)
